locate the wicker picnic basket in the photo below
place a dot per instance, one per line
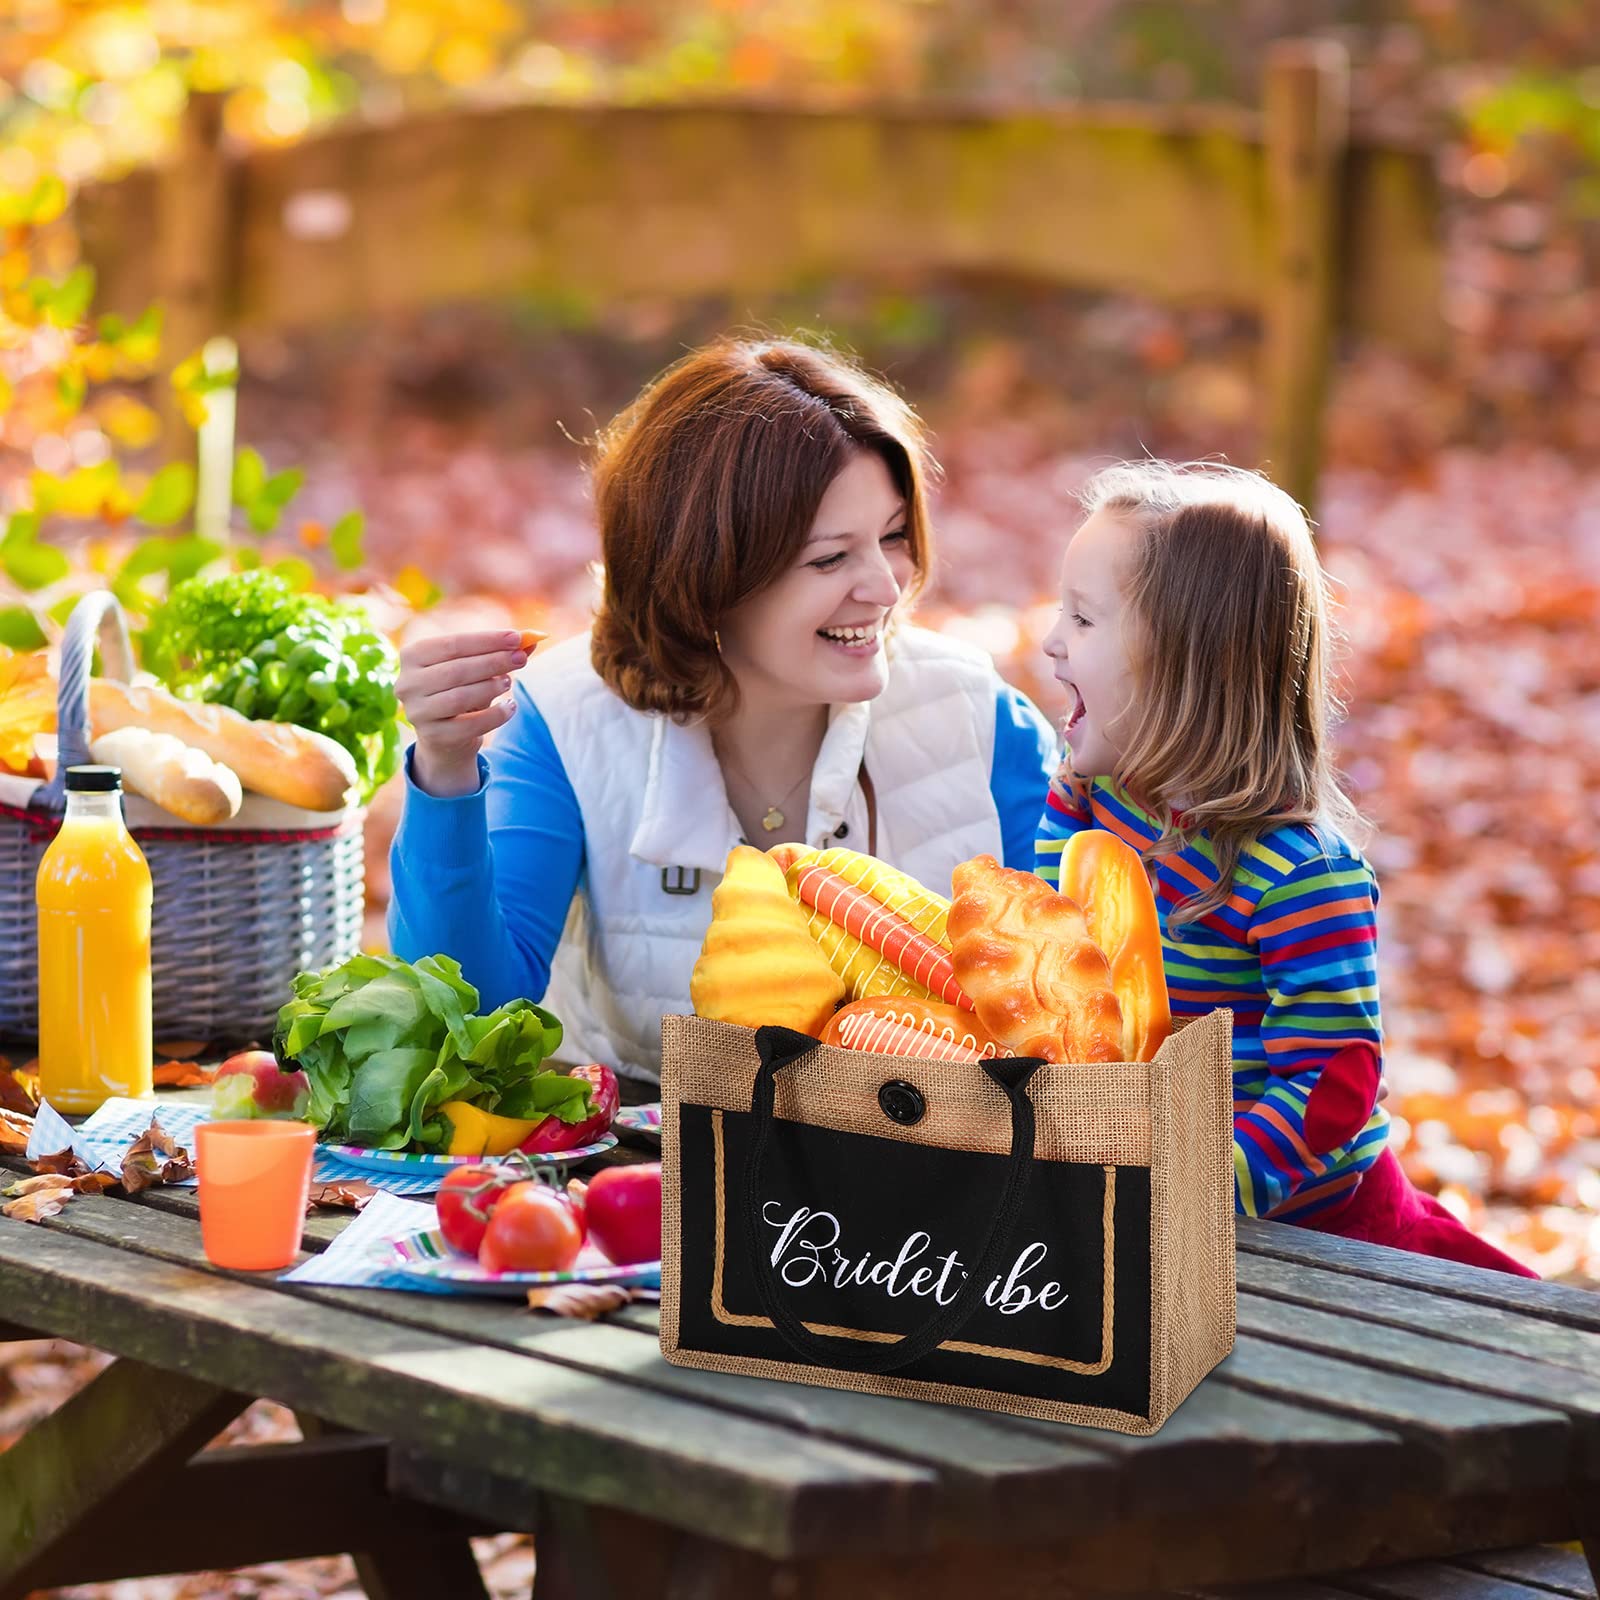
(238, 911)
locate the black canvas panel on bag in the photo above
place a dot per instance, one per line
(854, 1216)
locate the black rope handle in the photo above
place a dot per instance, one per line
(783, 1047)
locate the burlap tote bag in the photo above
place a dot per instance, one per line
(1054, 1241)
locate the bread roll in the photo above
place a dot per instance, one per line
(176, 776)
(1108, 880)
(277, 759)
(1023, 953)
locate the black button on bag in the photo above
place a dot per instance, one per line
(902, 1102)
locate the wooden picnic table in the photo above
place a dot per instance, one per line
(1379, 1407)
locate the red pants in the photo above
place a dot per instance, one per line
(1387, 1208)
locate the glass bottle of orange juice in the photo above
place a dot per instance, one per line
(93, 894)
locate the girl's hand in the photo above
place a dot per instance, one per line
(455, 689)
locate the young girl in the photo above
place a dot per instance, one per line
(1193, 648)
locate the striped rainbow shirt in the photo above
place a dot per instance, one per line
(1293, 952)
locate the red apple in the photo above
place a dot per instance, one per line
(251, 1084)
(622, 1206)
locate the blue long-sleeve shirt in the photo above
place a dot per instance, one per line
(487, 877)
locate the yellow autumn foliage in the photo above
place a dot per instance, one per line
(27, 705)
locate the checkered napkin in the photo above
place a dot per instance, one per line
(102, 1138)
(363, 1256)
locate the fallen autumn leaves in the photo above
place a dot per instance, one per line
(155, 1157)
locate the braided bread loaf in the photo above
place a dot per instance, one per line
(1022, 952)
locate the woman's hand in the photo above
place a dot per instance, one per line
(455, 691)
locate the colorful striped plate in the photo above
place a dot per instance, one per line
(639, 1119)
(426, 1255)
(414, 1164)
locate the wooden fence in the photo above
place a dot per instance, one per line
(1283, 212)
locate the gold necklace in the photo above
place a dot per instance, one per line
(774, 817)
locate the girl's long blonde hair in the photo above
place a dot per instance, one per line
(1230, 643)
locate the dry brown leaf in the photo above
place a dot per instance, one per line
(66, 1161)
(66, 1170)
(19, 1091)
(154, 1157)
(16, 1129)
(40, 1204)
(585, 1301)
(42, 1184)
(27, 706)
(182, 1075)
(351, 1195)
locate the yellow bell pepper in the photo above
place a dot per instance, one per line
(474, 1132)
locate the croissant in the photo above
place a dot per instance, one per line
(758, 964)
(1108, 880)
(1022, 952)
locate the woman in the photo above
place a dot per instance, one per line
(763, 520)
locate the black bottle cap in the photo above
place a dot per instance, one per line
(94, 780)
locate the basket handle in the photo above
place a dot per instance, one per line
(97, 614)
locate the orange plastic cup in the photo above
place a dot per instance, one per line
(255, 1178)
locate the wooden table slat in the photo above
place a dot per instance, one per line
(1469, 1442)
(1282, 1589)
(1422, 1355)
(1550, 1302)
(1504, 1328)
(1530, 1444)
(1438, 1580)
(208, 1514)
(1541, 1566)
(1223, 1442)
(755, 1485)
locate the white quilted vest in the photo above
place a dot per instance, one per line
(658, 827)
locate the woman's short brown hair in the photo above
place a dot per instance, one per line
(706, 489)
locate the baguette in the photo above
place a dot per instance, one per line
(1107, 878)
(277, 759)
(176, 776)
